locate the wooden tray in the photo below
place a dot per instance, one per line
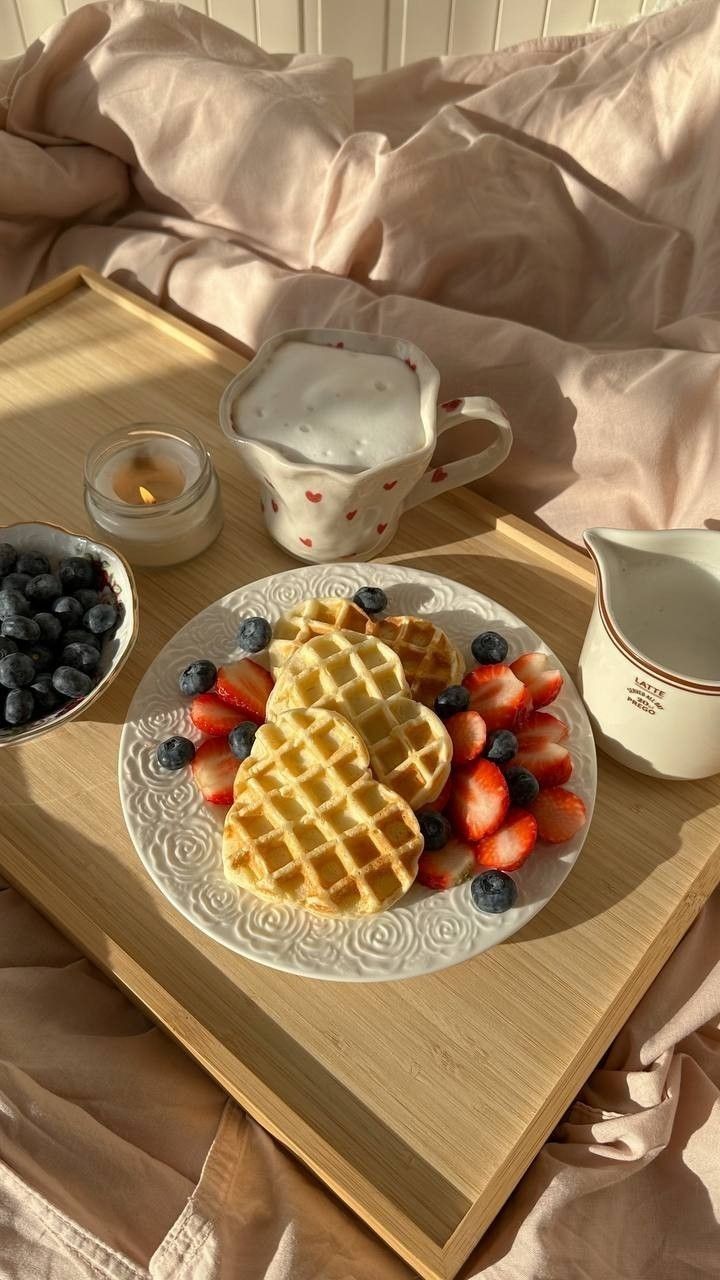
(422, 1102)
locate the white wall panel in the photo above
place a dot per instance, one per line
(37, 16)
(239, 15)
(473, 25)
(565, 17)
(353, 30)
(616, 11)
(520, 20)
(279, 23)
(426, 29)
(12, 35)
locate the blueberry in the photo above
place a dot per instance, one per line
(16, 582)
(371, 599)
(489, 647)
(50, 627)
(16, 671)
(46, 698)
(435, 829)
(33, 563)
(43, 589)
(75, 572)
(84, 657)
(493, 891)
(71, 683)
(12, 602)
(87, 596)
(8, 556)
(175, 753)
(454, 698)
(7, 646)
(241, 738)
(19, 706)
(522, 785)
(198, 677)
(77, 635)
(68, 610)
(254, 634)
(502, 746)
(101, 618)
(25, 630)
(43, 658)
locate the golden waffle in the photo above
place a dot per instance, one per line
(430, 660)
(311, 826)
(311, 618)
(361, 679)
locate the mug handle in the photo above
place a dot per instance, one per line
(464, 470)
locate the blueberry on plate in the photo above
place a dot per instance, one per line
(7, 646)
(502, 745)
(489, 648)
(46, 697)
(16, 671)
(522, 785)
(68, 610)
(254, 634)
(435, 829)
(12, 602)
(101, 618)
(50, 627)
(371, 599)
(8, 558)
(87, 596)
(175, 753)
(43, 658)
(24, 630)
(493, 891)
(75, 572)
(83, 657)
(43, 589)
(241, 738)
(449, 701)
(198, 677)
(19, 707)
(71, 683)
(32, 562)
(16, 582)
(78, 635)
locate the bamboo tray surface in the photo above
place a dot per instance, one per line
(419, 1102)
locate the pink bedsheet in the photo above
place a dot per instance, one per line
(544, 222)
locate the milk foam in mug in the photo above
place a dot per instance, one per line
(341, 430)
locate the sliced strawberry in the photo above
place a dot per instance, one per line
(447, 867)
(441, 804)
(508, 847)
(559, 814)
(479, 800)
(549, 762)
(541, 725)
(213, 717)
(496, 692)
(214, 768)
(468, 733)
(543, 683)
(245, 685)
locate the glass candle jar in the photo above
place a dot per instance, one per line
(151, 490)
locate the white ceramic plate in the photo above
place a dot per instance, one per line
(178, 835)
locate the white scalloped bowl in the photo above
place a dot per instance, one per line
(57, 543)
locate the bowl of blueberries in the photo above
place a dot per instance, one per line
(68, 621)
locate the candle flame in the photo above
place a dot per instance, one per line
(147, 497)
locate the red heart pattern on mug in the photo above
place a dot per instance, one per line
(307, 542)
(391, 485)
(438, 474)
(350, 515)
(381, 528)
(275, 506)
(410, 364)
(262, 505)
(450, 405)
(312, 497)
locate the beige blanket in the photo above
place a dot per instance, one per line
(544, 222)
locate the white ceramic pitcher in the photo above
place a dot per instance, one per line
(650, 665)
(322, 513)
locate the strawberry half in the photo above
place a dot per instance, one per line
(213, 717)
(441, 804)
(508, 847)
(559, 814)
(549, 762)
(479, 801)
(467, 733)
(447, 867)
(543, 683)
(245, 685)
(541, 725)
(502, 699)
(214, 768)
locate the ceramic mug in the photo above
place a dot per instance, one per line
(322, 513)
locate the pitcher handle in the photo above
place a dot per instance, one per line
(437, 479)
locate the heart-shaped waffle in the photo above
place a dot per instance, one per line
(310, 618)
(430, 660)
(311, 826)
(360, 678)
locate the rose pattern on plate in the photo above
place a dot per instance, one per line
(178, 836)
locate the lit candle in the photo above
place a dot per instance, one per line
(151, 490)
